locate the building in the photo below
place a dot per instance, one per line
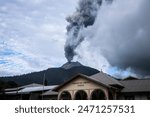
(97, 87)
(28, 92)
(135, 89)
(100, 86)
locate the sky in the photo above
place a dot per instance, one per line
(122, 34)
(118, 40)
(33, 36)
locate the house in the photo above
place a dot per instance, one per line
(28, 92)
(135, 89)
(100, 86)
(97, 87)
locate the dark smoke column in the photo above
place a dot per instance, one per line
(83, 17)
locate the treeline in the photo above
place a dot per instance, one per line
(51, 76)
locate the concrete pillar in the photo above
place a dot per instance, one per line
(74, 92)
(89, 94)
(58, 98)
(72, 95)
(115, 95)
(106, 94)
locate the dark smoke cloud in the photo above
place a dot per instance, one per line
(120, 32)
(83, 17)
(122, 35)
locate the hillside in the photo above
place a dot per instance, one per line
(52, 76)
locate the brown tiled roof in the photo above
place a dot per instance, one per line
(105, 79)
(100, 78)
(137, 85)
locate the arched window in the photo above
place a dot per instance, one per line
(65, 95)
(98, 94)
(81, 95)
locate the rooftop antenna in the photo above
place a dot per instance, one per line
(103, 66)
(43, 84)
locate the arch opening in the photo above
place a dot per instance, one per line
(65, 95)
(81, 95)
(98, 94)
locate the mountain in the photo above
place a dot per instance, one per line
(52, 76)
(69, 65)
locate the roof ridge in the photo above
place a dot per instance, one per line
(135, 79)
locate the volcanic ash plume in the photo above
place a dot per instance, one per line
(83, 17)
(119, 32)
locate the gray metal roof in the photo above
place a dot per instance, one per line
(12, 92)
(21, 87)
(105, 79)
(11, 89)
(30, 89)
(31, 85)
(36, 89)
(139, 85)
(50, 92)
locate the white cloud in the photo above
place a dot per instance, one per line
(88, 55)
(35, 30)
(120, 35)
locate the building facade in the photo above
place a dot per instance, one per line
(82, 87)
(100, 86)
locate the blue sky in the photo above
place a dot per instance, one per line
(32, 34)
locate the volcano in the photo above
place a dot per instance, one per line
(52, 76)
(70, 65)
